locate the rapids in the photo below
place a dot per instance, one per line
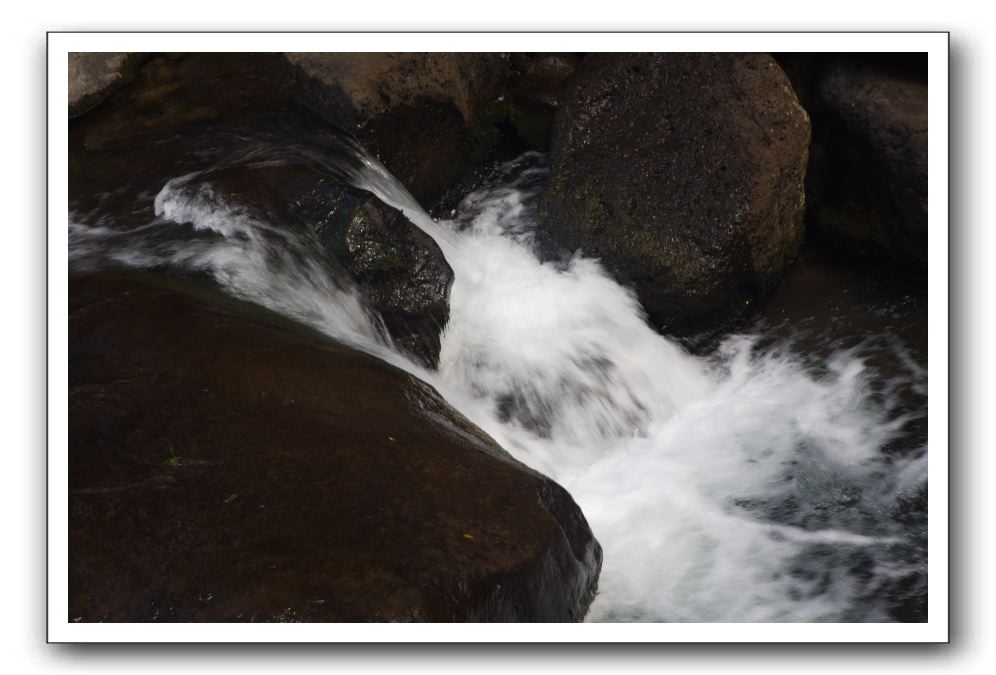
(760, 481)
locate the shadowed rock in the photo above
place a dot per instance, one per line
(260, 151)
(434, 119)
(227, 465)
(867, 181)
(684, 174)
(398, 268)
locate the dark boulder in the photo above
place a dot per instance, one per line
(178, 115)
(424, 115)
(539, 82)
(400, 271)
(227, 465)
(542, 77)
(263, 153)
(436, 119)
(174, 91)
(684, 174)
(866, 187)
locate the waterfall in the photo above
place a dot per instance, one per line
(747, 485)
(684, 467)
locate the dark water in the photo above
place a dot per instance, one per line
(827, 305)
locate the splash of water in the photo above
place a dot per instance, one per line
(748, 486)
(196, 230)
(740, 488)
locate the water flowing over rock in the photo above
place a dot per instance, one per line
(399, 269)
(684, 174)
(866, 186)
(226, 464)
(263, 419)
(259, 164)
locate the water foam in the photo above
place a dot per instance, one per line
(749, 486)
(707, 482)
(198, 231)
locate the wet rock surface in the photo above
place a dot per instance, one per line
(170, 122)
(228, 465)
(398, 268)
(684, 174)
(867, 181)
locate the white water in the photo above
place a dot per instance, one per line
(253, 260)
(707, 481)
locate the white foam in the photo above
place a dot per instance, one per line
(718, 488)
(677, 463)
(271, 265)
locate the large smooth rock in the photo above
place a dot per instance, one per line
(684, 174)
(226, 466)
(867, 181)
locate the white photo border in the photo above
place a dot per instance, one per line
(60, 44)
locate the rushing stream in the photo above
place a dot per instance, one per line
(779, 477)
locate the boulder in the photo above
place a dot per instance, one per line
(435, 119)
(684, 174)
(400, 271)
(93, 76)
(228, 465)
(542, 77)
(422, 114)
(285, 162)
(173, 91)
(866, 186)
